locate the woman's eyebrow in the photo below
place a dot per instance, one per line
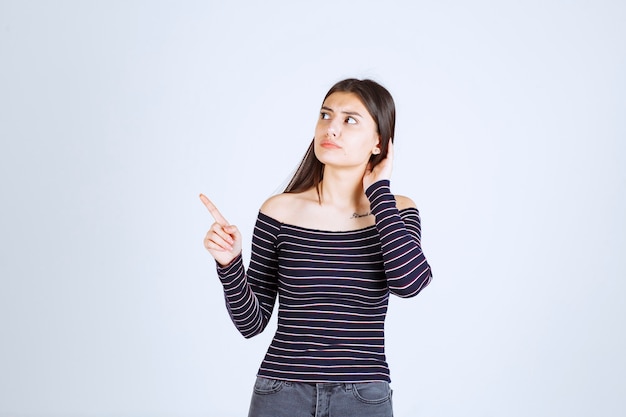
(349, 113)
(352, 113)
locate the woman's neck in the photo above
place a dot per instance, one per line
(344, 190)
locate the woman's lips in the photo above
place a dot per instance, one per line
(329, 145)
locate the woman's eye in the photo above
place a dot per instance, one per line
(351, 120)
(324, 116)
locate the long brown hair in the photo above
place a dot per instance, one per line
(380, 105)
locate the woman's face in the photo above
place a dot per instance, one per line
(346, 134)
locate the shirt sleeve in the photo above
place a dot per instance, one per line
(406, 267)
(250, 296)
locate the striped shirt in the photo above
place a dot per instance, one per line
(333, 290)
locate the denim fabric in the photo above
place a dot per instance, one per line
(275, 398)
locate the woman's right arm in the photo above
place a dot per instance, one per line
(249, 297)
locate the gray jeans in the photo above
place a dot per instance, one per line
(275, 398)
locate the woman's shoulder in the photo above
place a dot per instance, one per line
(281, 207)
(404, 202)
(276, 206)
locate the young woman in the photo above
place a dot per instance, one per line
(332, 247)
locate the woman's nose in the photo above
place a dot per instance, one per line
(332, 130)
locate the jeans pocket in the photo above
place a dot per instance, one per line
(372, 392)
(265, 386)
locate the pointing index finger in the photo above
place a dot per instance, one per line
(213, 210)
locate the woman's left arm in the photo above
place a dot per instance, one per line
(406, 267)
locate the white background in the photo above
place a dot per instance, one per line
(115, 115)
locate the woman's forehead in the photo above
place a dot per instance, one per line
(341, 101)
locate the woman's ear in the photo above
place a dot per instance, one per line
(376, 150)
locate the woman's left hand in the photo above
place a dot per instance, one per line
(382, 171)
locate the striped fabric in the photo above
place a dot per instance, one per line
(333, 290)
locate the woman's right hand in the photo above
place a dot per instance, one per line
(223, 240)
